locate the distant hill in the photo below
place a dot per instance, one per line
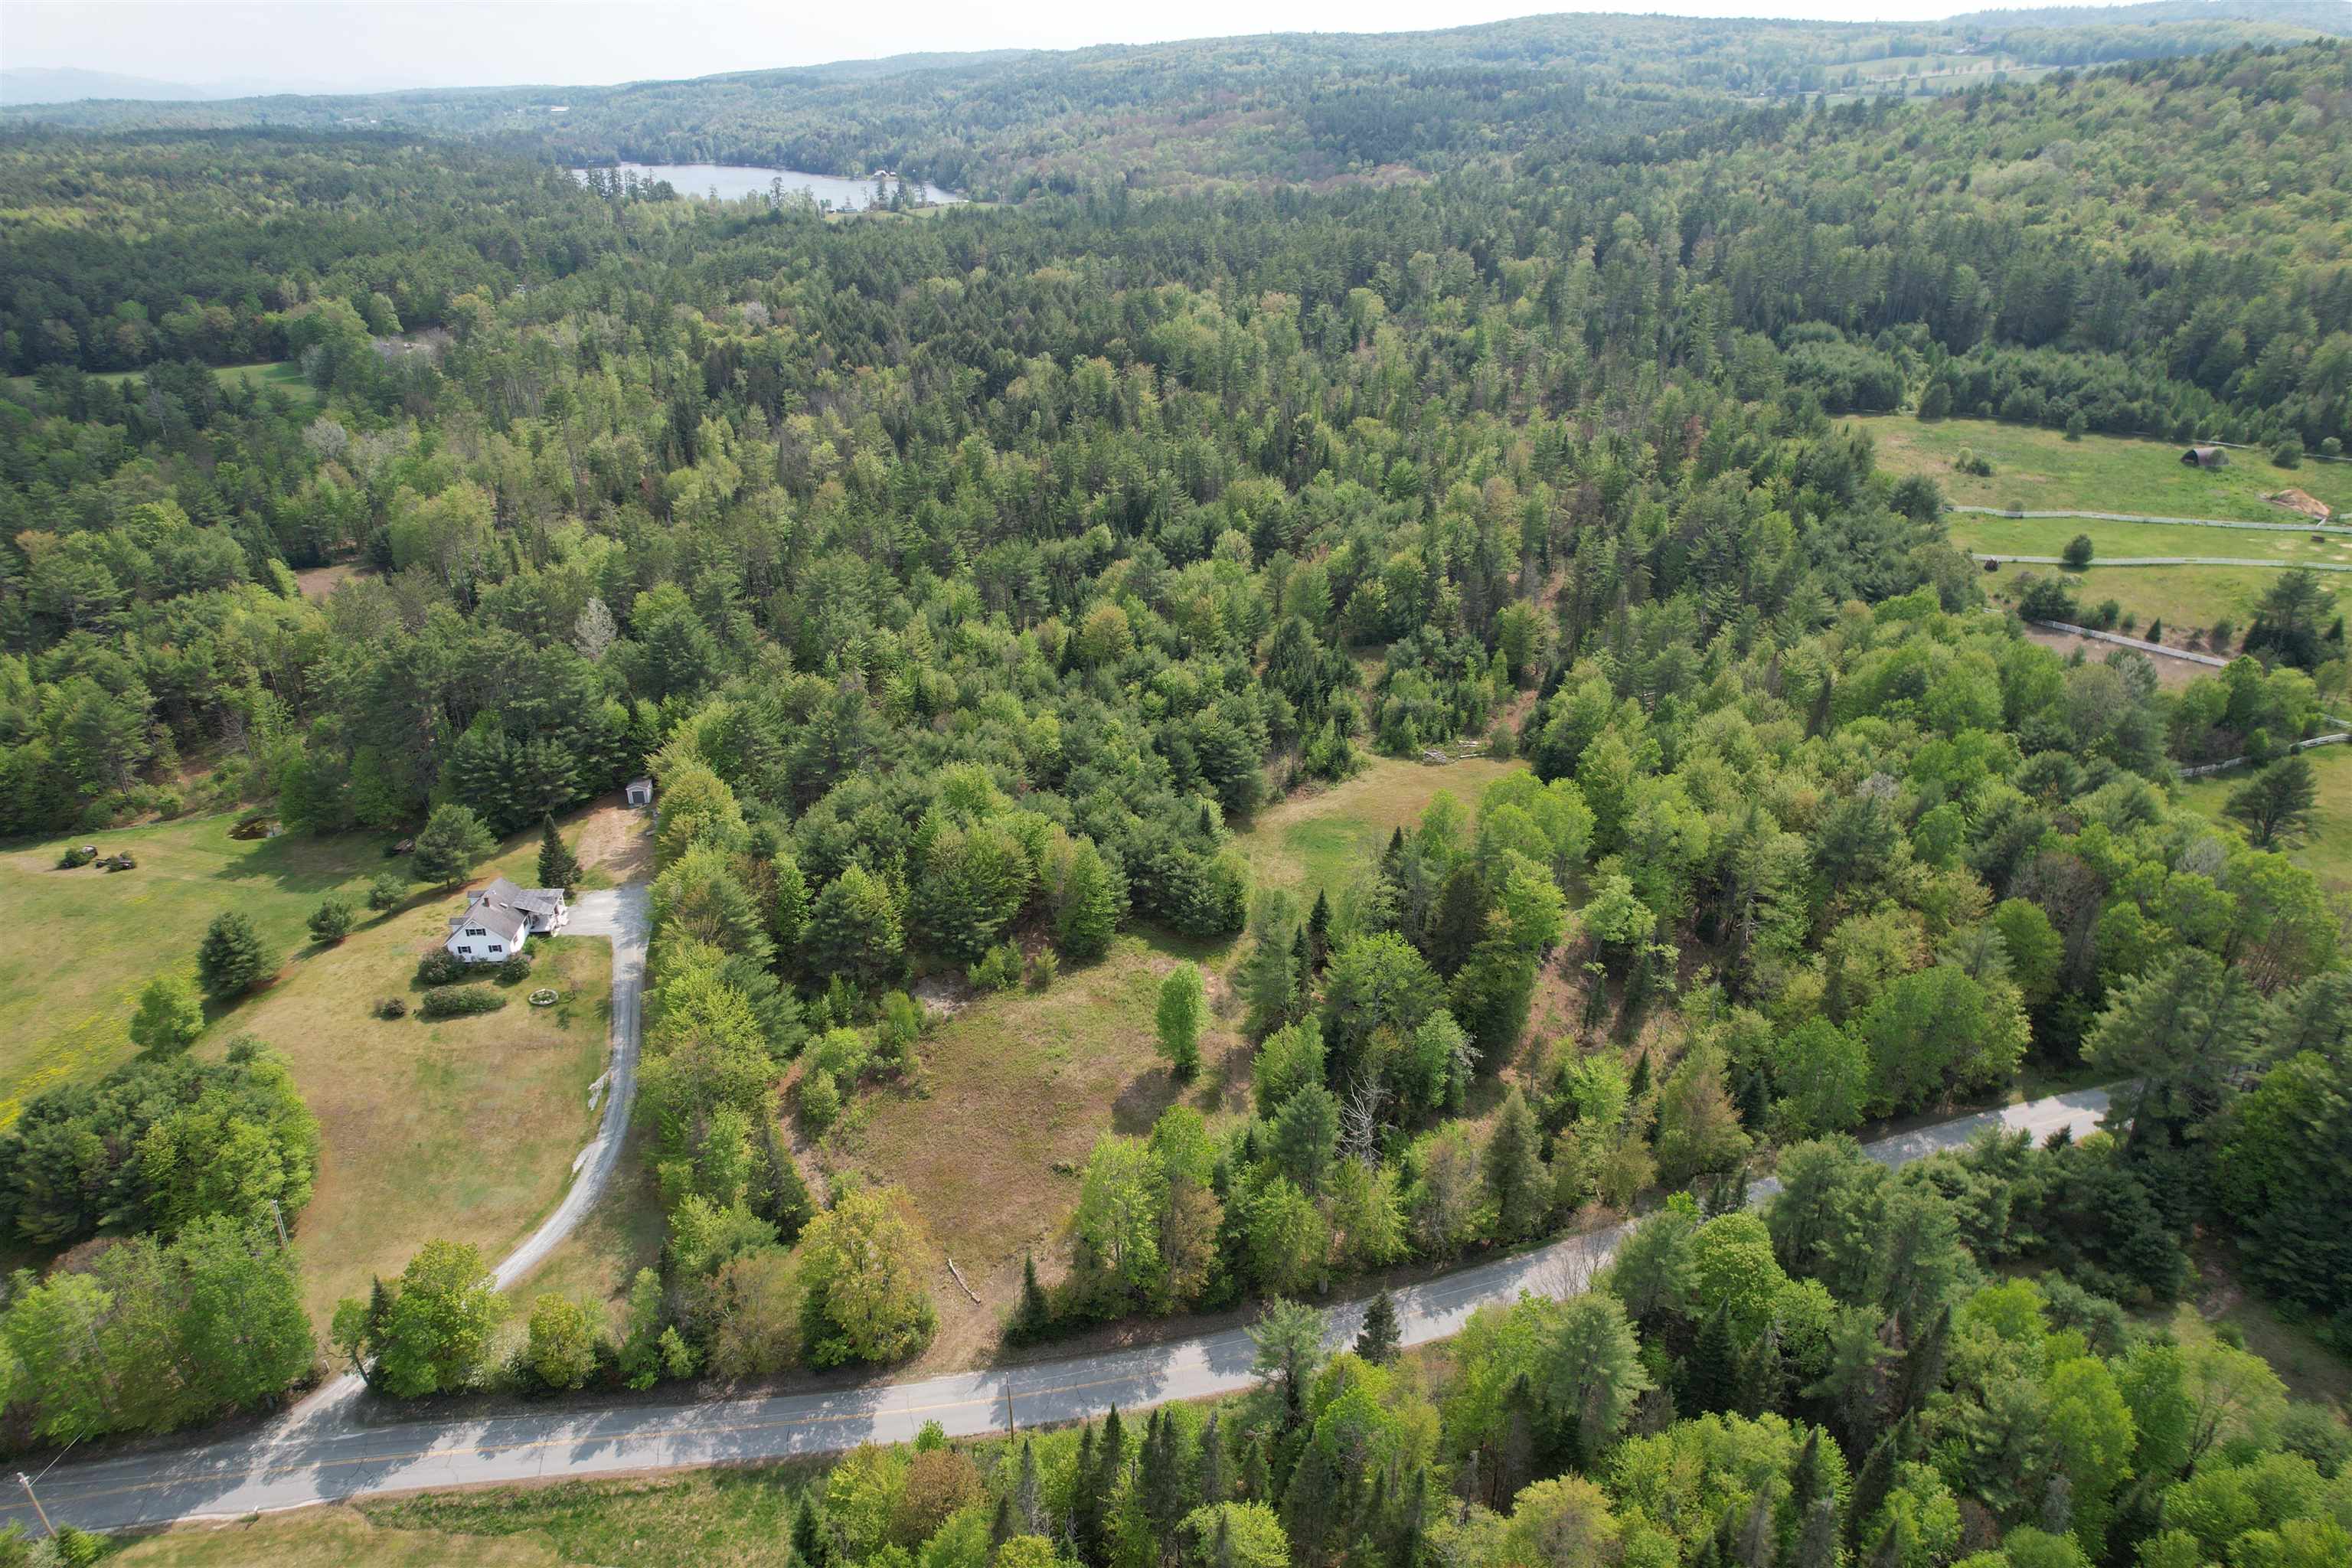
(2320, 15)
(65, 84)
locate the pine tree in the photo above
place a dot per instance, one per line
(1222, 1551)
(1082, 1499)
(1817, 1538)
(1027, 1497)
(1378, 1340)
(1763, 1374)
(1711, 1376)
(232, 960)
(453, 843)
(1877, 1477)
(1000, 1528)
(1516, 1178)
(1257, 1480)
(1923, 1364)
(1641, 1083)
(1212, 1462)
(557, 868)
(1034, 1314)
(1808, 1478)
(1318, 932)
(811, 1546)
(1309, 1506)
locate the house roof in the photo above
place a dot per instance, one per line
(506, 895)
(498, 921)
(641, 784)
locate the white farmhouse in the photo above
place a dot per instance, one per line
(501, 919)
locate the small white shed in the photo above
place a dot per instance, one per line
(638, 791)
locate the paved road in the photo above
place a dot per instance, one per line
(293, 1465)
(620, 915)
(2310, 525)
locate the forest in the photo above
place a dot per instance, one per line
(969, 582)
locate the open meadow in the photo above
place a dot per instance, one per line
(2041, 470)
(282, 375)
(2189, 600)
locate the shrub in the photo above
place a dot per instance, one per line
(460, 1002)
(2078, 553)
(517, 968)
(440, 967)
(331, 921)
(387, 892)
(820, 1099)
(2106, 614)
(2223, 634)
(2288, 454)
(999, 971)
(2155, 632)
(77, 857)
(392, 1007)
(1044, 968)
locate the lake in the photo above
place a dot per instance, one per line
(735, 181)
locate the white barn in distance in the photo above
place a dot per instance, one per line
(501, 919)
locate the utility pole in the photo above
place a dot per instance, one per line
(26, 1482)
(279, 1216)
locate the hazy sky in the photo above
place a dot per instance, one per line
(374, 44)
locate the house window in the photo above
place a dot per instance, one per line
(496, 948)
(476, 930)
(465, 952)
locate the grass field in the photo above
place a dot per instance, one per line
(2185, 598)
(1321, 842)
(2049, 536)
(1020, 1086)
(78, 945)
(2043, 471)
(2326, 849)
(462, 1128)
(283, 374)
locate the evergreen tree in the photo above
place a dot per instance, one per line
(1318, 932)
(557, 868)
(1310, 1507)
(232, 959)
(1640, 1085)
(1034, 1314)
(1922, 1373)
(811, 1543)
(1212, 1461)
(1711, 1376)
(1877, 1478)
(453, 843)
(330, 922)
(1516, 1178)
(1817, 1536)
(1381, 1335)
(1028, 1496)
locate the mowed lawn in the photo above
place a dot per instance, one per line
(2049, 536)
(2043, 471)
(2187, 599)
(2326, 849)
(78, 945)
(462, 1128)
(1322, 842)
